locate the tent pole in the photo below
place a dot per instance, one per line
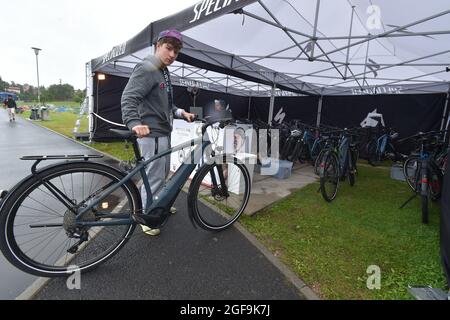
(349, 40)
(90, 95)
(373, 37)
(445, 111)
(316, 19)
(319, 112)
(272, 102)
(249, 105)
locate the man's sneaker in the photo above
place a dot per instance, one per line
(149, 231)
(173, 210)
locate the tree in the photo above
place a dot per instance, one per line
(60, 92)
(3, 84)
(79, 96)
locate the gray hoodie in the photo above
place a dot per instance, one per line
(145, 99)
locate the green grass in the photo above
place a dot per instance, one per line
(331, 245)
(55, 103)
(64, 123)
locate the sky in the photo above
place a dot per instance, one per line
(70, 33)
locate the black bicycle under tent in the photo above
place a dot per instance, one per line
(329, 61)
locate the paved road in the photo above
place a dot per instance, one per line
(17, 139)
(181, 263)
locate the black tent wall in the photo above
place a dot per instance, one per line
(107, 95)
(301, 108)
(445, 226)
(407, 113)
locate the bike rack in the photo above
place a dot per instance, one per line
(38, 159)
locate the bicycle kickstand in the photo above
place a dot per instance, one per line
(407, 201)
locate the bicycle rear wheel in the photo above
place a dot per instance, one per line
(318, 161)
(329, 177)
(424, 200)
(372, 153)
(219, 194)
(411, 169)
(40, 234)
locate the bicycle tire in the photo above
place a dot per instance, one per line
(287, 148)
(329, 176)
(436, 180)
(217, 207)
(318, 161)
(25, 206)
(372, 155)
(352, 171)
(294, 155)
(424, 201)
(411, 168)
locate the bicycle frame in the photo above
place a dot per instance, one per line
(343, 152)
(166, 196)
(381, 144)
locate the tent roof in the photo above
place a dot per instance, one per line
(328, 47)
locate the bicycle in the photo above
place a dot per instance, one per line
(337, 163)
(422, 172)
(80, 212)
(381, 148)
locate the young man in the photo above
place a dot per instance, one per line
(11, 104)
(148, 109)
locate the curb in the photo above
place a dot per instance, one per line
(301, 286)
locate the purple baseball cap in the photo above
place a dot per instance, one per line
(171, 33)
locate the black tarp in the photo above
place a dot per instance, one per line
(445, 226)
(109, 93)
(407, 113)
(285, 109)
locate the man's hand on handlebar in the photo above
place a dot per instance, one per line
(189, 117)
(141, 130)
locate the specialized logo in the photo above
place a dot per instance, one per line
(206, 7)
(279, 117)
(115, 52)
(162, 85)
(193, 83)
(372, 119)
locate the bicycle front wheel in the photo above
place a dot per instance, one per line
(219, 194)
(329, 177)
(40, 233)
